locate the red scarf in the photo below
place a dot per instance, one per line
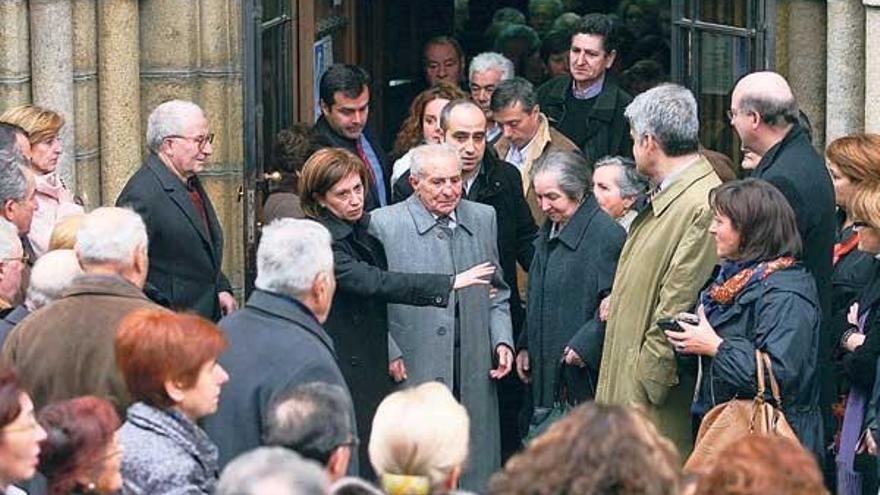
(843, 248)
(726, 292)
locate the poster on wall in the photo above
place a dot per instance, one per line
(323, 60)
(723, 60)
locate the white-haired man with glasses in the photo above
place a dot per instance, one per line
(186, 241)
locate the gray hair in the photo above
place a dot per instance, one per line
(491, 61)
(508, 93)
(10, 243)
(13, 178)
(169, 118)
(774, 111)
(292, 253)
(631, 183)
(110, 235)
(350, 485)
(427, 153)
(312, 419)
(52, 274)
(668, 113)
(272, 470)
(571, 170)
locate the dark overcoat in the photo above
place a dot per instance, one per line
(780, 316)
(570, 275)
(185, 257)
(274, 342)
(414, 242)
(607, 128)
(358, 320)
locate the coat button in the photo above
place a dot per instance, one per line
(355, 361)
(438, 300)
(441, 331)
(441, 235)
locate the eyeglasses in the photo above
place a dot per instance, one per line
(200, 141)
(24, 258)
(731, 114)
(859, 224)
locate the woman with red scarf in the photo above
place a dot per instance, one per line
(762, 299)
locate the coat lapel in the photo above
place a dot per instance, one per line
(176, 190)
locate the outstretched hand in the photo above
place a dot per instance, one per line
(476, 275)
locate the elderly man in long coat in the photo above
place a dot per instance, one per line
(434, 231)
(667, 258)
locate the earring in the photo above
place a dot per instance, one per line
(91, 487)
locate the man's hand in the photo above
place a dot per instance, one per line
(227, 303)
(397, 370)
(505, 362)
(522, 366)
(572, 358)
(604, 308)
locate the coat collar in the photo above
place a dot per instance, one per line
(18, 313)
(576, 228)
(290, 310)
(103, 285)
(174, 425)
(178, 193)
(424, 220)
(794, 134)
(693, 173)
(340, 229)
(605, 105)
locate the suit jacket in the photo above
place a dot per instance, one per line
(274, 343)
(414, 243)
(12, 319)
(185, 257)
(65, 349)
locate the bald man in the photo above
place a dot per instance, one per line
(764, 113)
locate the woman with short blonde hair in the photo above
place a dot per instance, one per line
(54, 200)
(420, 441)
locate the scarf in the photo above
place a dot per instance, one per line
(844, 247)
(734, 277)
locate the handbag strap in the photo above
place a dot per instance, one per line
(760, 372)
(774, 385)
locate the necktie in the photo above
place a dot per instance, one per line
(363, 155)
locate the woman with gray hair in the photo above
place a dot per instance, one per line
(573, 268)
(619, 188)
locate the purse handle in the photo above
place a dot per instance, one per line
(762, 359)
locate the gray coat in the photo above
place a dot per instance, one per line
(414, 243)
(166, 454)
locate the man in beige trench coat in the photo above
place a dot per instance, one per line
(667, 258)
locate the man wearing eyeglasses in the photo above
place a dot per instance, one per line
(12, 260)
(186, 240)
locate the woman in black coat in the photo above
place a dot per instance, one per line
(762, 299)
(572, 270)
(332, 192)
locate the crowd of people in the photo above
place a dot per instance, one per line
(550, 289)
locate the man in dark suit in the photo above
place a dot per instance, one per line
(186, 241)
(276, 341)
(345, 107)
(764, 113)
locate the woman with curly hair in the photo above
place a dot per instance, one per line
(423, 124)
(582, 454)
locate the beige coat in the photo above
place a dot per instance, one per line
(667, 258)
(546, 139)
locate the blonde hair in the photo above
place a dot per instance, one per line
(64, 233)
(421, 431)
(40, 124)
(865, 203)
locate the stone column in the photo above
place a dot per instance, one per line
(806, 63)
(85, 86)
(15, 88)
(119, 95)
(872, 65)
(52, 72)
(846, 65)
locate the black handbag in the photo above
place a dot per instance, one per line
(543, 417)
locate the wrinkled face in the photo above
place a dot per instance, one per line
(869, 239)
(517, 124)
(607, 191)
(431, 131)
(727, 238)
(346, 198)
(843, 186)
(201, 399)
(439, 187)
(557, 64)
(21, 213)
(587, 59)
(740, 120)
(483, 84)
(553, 201)
(466, 132)
(641, 153)
(109, 479)
(189, 151)
(44, 156)
(348, 116)
(442, 64)
(20, 444)
(10, 274)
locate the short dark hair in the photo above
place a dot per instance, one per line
(555, 42)
(761, 215)
(292, 147)
(511, 91)
(312, 419)
(600, 25)
(349, 79)
(452, 105)
(443, 40)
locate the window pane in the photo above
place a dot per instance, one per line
(721, 61)
(728, 12)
